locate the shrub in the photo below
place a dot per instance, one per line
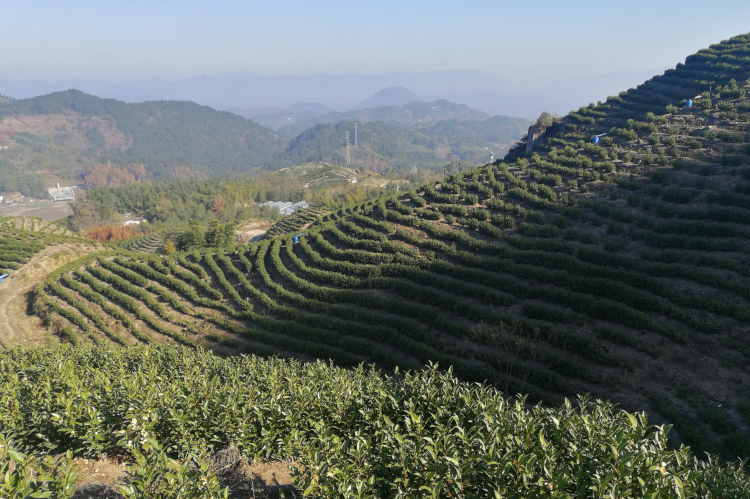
(727, 160)
(660, 177)
(544, 231)
(544, 121)
(612, 246)
(707, 170)
(471, 199)
(724, 106)
(560, 222)
(624, 133)
(725, 136)
(479, 213)
(545, 313)
(665, 210)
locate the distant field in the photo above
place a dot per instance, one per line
(48, 212)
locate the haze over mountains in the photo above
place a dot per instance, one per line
(413, 114)
(342, 92)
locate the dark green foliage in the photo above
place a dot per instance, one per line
(674, 195)
(727, 160)
(28, 184)
(536, 311)
(219, 235)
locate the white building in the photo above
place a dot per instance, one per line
(285, 207)
(60, 194)
(128, 220)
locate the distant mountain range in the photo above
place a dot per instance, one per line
(391, 96)
(248, 90)
(252, 93)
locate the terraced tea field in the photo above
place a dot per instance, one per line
(153, 242)
(21, 237)
(29, 249)
(501, 291)
(296, 221)
(618, 268)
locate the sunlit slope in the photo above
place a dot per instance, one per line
(619, 269)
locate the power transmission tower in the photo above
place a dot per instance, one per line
(355, 135)
(348, 158)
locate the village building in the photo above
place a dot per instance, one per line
(285, 207)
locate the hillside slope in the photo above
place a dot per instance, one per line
(612, 269)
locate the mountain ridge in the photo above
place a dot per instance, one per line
(391, 96)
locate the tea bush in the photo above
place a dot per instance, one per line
(352, 433)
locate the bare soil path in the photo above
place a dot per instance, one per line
(253, 229)
(16, 327)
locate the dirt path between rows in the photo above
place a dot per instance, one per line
(16, 327)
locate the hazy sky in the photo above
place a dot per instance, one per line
(550, 39)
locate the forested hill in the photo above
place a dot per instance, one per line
(160, 134)
(385, 146)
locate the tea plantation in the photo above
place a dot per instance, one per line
(617, 267)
